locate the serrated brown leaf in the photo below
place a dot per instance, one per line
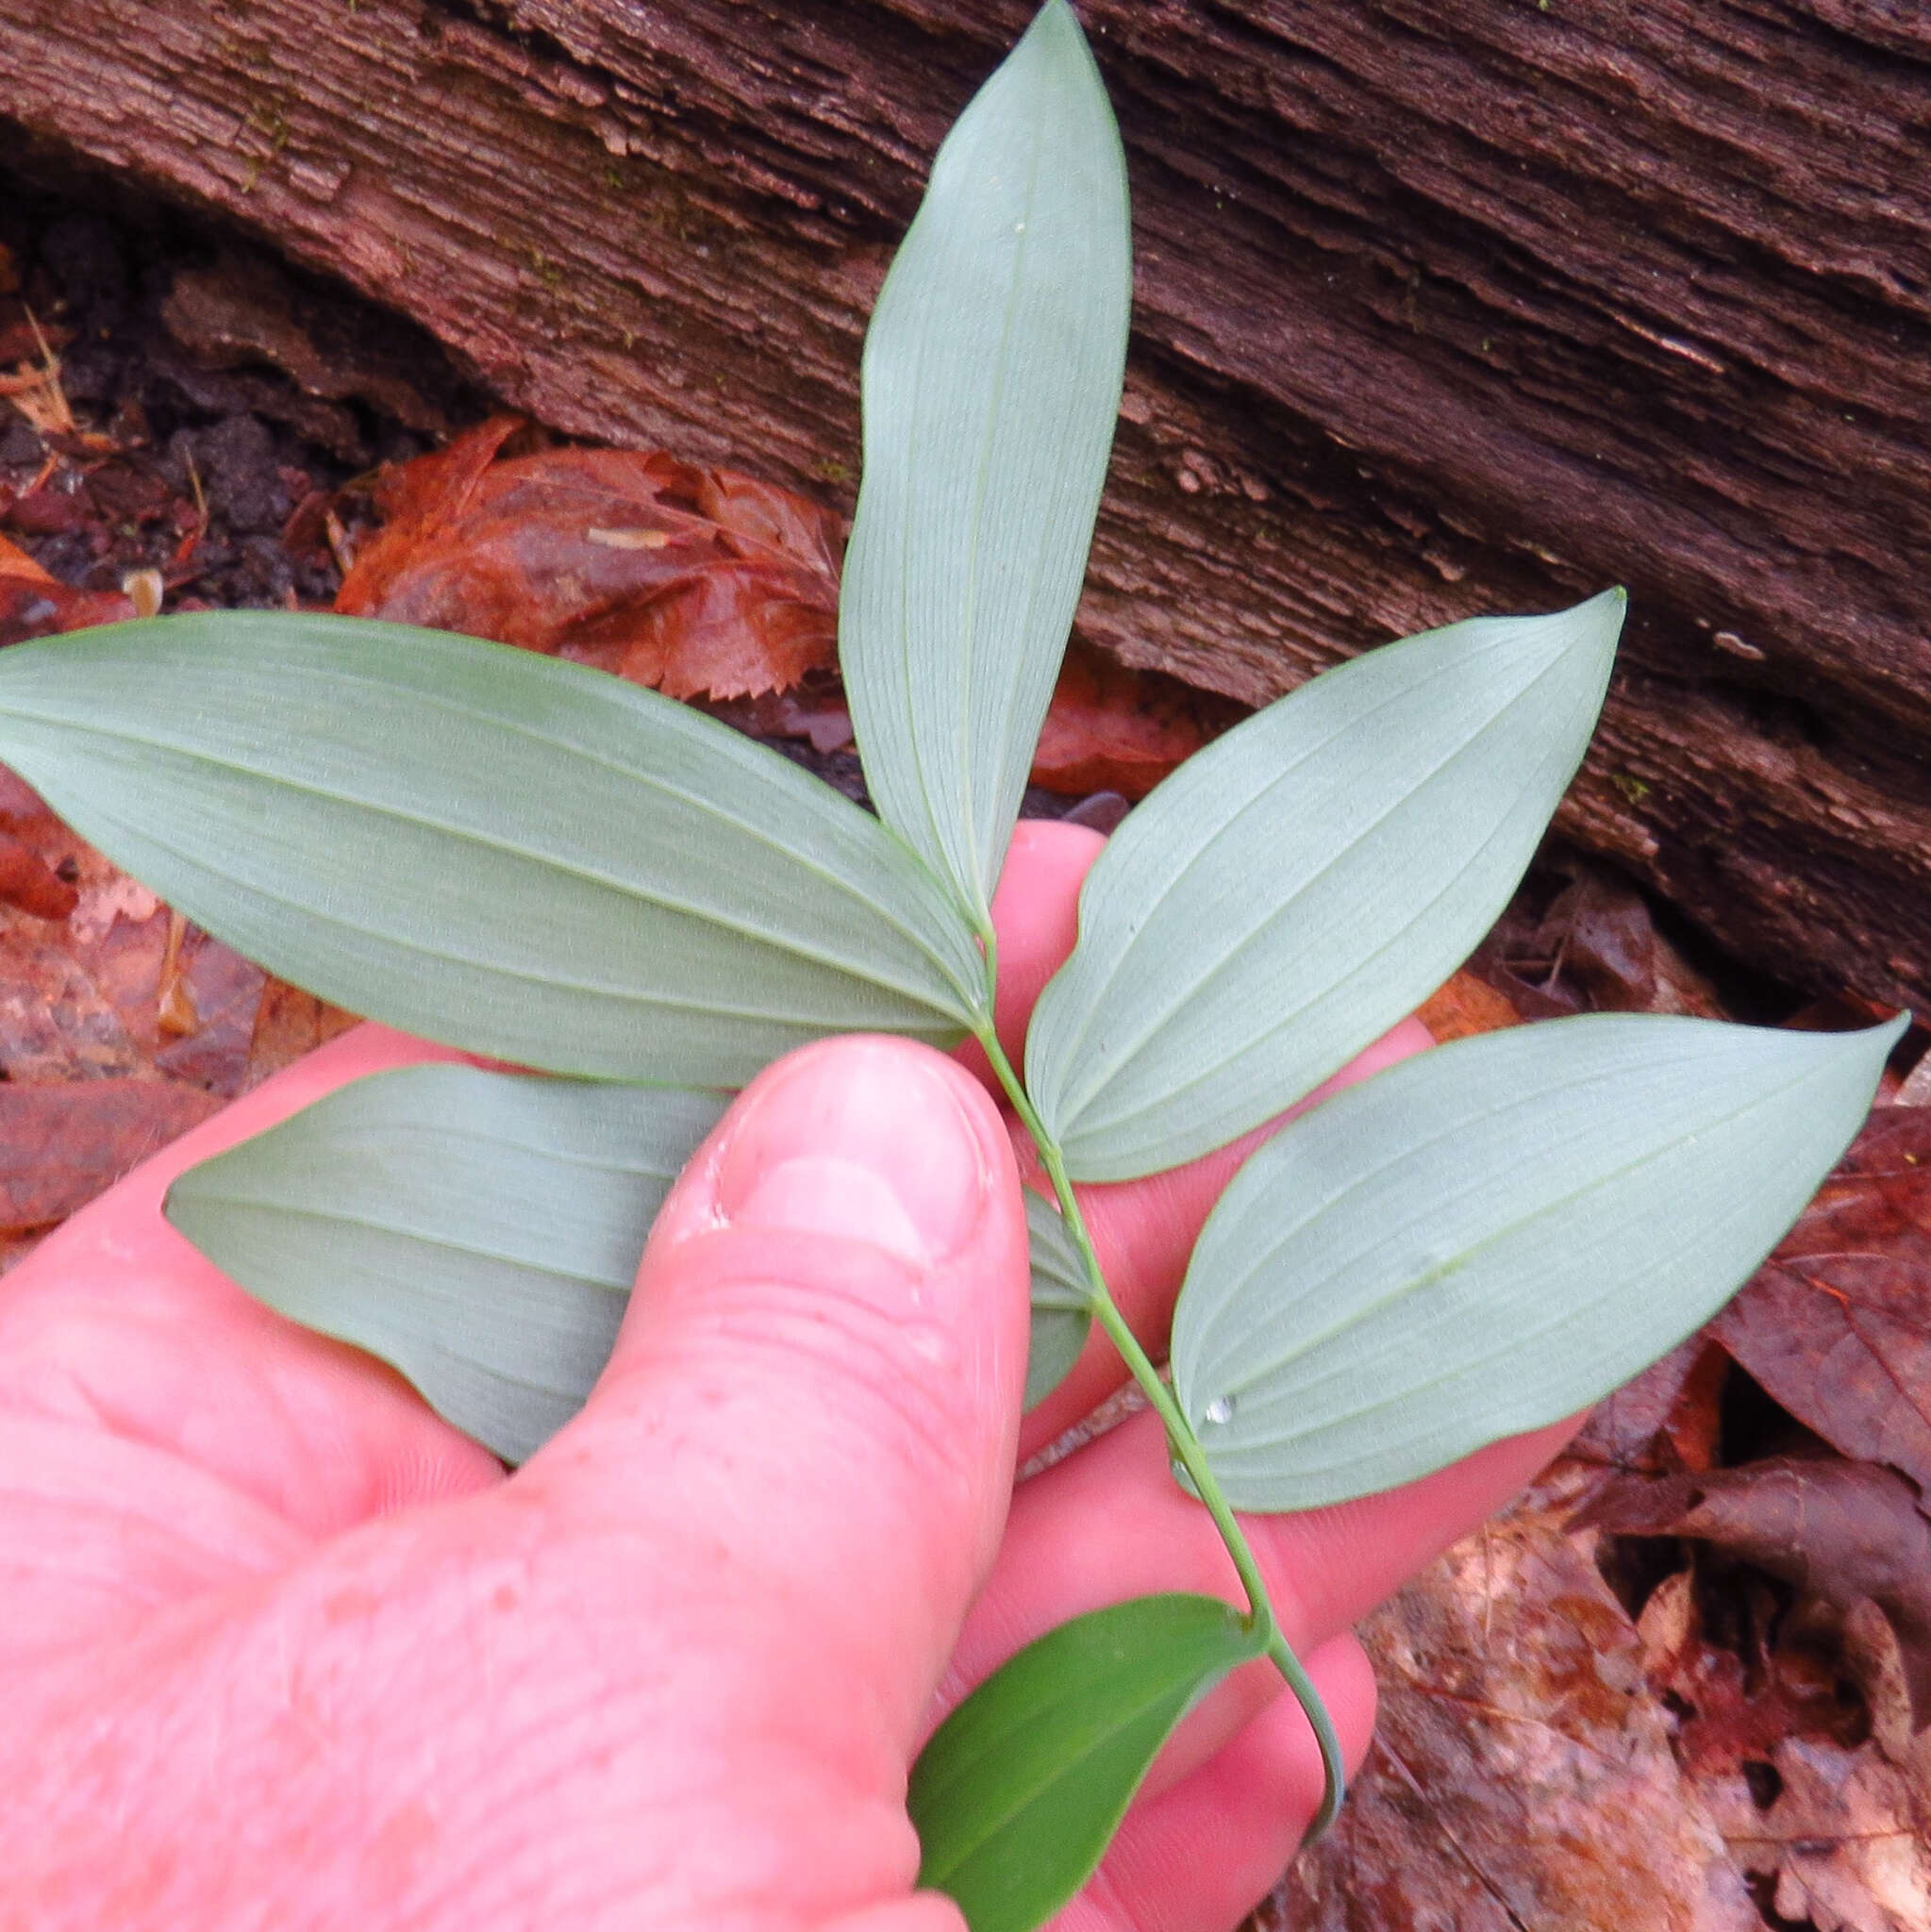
(1837, 1325)
(689, 580)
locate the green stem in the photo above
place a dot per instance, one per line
(1181, 1440)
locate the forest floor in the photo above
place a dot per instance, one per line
(1684, 1683)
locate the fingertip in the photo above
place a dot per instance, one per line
(823, 1358)
(1035, 915)
(1345, 1679)
(864, 1137)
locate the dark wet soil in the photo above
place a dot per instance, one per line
(208, 394)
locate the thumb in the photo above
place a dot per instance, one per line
(820, 1374)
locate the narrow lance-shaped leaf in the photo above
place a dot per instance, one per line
(992, 383)
(515, 856)
(1061, 1300)
(1296, 887)
(1491, 1236)
(478, 1231)
(1017, 1794)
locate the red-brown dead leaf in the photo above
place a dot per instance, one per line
(1668, 1418)
(1847, 1840)
(29, 883)
(30, 609)
(49, 512)
(1522, 1776)
(690, 580)
(1837, 1325)
(813, 711)
(15, 563)
(1464, 1006)
(61, 1146)
(1838, 1531)
(288, 1023)
(1114, 729)
(1736, 1697)
(1601, 933)
(34, 604)
(1814, 1788)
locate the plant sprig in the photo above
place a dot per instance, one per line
(536, 862)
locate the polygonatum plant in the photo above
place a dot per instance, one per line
(539, 864)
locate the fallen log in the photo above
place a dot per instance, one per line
(1439, 311)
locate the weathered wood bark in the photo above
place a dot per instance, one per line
(1441, 308)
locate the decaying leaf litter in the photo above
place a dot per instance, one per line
(1686, 1675)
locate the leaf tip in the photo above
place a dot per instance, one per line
(1598, 620)
(1878, 1041)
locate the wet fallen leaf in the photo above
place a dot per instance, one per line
(1837, 1325)
(690, 580)
(1738, 1693)
(1817, 1791)
(1522, 1776)
(1115, 729)
(1668, 1418)
(26, 881)
(35, 606)
(287, 1024)
(15, 563)
(1847, 1839)
(61, 1146)
(813, 711)
(1600, 933)
(124, 988)
(1466, 1006)
(1838, 1531)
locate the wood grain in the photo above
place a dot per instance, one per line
(1439, 310)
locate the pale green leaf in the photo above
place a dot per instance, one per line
(516, 855)
(991, 382)
(1296, 887)
(478, 1231)
(1493, 1236)
(1061, 1300)
(1018, 1792)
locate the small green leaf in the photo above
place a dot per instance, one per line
(1296, 887)
(1494, 1235)
(516, 855)
(1018, 1792)
(478, 1231)
(1061, 1300)
(992, 383)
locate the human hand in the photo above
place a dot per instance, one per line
(279, 1648)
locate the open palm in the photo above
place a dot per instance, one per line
(279, 1648)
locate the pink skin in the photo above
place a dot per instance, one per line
(279, 1648)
